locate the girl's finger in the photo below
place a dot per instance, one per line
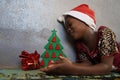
(59, 61)
(65, 59)
(43, 69)
(50, 66)
(62, 58)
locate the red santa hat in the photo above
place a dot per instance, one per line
(83, 13)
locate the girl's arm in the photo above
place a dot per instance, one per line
(68, 68)
(102, 68)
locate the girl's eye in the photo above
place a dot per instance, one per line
(69, 25)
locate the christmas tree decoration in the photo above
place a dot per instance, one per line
(57, 47)
(53, 55)
(42, 63)
(53, 49)
(46, 55)
(60, 54)
(50, 62)
(54, 39)
(29, 61)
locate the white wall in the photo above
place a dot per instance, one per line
(27, 24)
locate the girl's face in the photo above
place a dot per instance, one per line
(75, 27)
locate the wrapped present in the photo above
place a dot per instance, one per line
(30, 61)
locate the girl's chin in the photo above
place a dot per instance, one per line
(75, 37)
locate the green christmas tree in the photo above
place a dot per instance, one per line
(53, 50)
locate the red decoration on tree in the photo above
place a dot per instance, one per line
(50, 62)
(47, 55)
(57, 47)
(30, 61)
(51, 46)
(60, 54)
(54, 39)
(53, 55)
(42, 63)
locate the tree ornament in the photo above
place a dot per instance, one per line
(53, 55)
(57, 47)
(51, 46)
(54, 39)
(47, 55)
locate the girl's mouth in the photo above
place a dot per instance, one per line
(71, 33)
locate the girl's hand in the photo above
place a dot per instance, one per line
(63, 60)
(63, 66)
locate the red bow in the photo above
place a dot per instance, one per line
(30, 61)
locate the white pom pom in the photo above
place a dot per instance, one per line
(61, 19)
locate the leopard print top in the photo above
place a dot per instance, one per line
(106, 46)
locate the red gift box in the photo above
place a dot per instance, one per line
(30, 61)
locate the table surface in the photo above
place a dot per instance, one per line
(18, 74)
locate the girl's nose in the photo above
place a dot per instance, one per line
(69, 30)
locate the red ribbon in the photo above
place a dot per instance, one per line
(30, 61)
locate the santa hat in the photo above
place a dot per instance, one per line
(83, 13)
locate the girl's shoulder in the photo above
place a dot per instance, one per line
(105, 31)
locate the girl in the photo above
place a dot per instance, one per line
(96, 51)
